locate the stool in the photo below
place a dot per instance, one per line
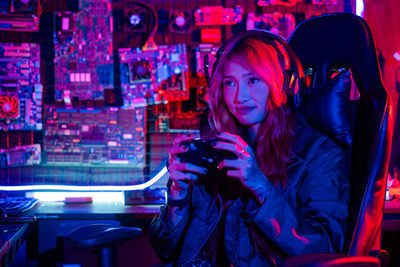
(104, 238)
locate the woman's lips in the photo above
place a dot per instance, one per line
(244, 110)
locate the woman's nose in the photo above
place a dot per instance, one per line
(242, 93)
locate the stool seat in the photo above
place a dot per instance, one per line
(101, 235)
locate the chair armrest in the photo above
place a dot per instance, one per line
(330, 260)
(382, 255)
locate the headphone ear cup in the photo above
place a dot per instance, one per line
(288, 77)
(298, 97)
(292, 86)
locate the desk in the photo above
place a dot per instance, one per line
(54, 221)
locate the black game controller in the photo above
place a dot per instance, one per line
(201, 153)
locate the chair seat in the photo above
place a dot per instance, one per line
(101, 235)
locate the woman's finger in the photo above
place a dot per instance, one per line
(239, 151)
(178, 149)
(179, 185)
(230, 163)
(183, 176)
(184, 137)
(187, 167)
(234, 139)
(234, 173)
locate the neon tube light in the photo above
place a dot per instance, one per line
(87, 188)
(61, 196)
(360, 8)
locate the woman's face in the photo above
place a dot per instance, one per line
(245, 94)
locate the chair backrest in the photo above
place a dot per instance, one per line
(345, 40)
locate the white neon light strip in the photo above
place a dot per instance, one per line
(87, 188)
(96, 196)
(360, 8)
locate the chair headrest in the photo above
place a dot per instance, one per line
(346, 41)
(326, 108)
(334, 41)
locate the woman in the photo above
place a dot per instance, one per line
(286, 193)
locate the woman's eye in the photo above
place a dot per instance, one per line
(254, 80)
(229, 83)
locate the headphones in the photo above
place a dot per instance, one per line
(293, 74)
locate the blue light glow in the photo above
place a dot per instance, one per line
(177, 70)
(134, 19)
(109, 188)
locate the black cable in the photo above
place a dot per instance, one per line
(206, 63)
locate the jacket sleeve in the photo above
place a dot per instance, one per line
(315, 222)
(165, 237)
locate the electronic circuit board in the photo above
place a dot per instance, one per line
(218, 15)
(108, 136)
(20, 156)
(160, 75)
(19, 15)
(20, 87)
(282, 24)
(83, 63)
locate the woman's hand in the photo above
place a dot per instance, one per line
(182, 173)
(245, 167)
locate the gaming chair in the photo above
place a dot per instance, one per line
(343, 40)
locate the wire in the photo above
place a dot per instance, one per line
(40, 7)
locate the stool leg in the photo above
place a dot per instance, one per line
(106, 257)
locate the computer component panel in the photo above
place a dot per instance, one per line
(20, 156)
(20, 87)
(153, 76)
(218, 15)
(180, 21)
(279, 23)
(106, 136)
(19, 15)
(83, 50)
(138, 16)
